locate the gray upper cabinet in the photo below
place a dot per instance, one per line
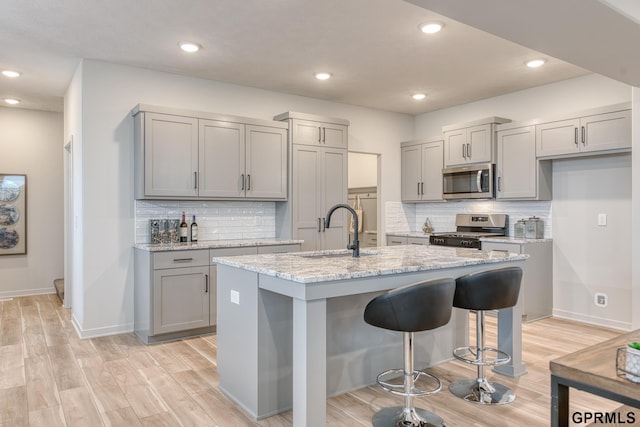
(520, 175)
(472, 142)
(194, 155)
(606, 129)
(170, 155)
(421, 170)
(324, 134)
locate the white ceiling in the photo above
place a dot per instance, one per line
(373, 47)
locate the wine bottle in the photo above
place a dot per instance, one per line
(194, 230)
(183, 229)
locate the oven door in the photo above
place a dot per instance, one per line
(468, 182)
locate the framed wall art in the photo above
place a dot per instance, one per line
(13, 214)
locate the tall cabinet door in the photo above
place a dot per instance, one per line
(266, 162)
(170, 155)
(222, 159)
(411, 170)
(334, 191)
(180, 299)
(432, 161)
(306, 190)
(517, 164)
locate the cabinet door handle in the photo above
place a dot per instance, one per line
(469, 150)
(499, 182)
(575, 136)
(319, 225)
(422, 188)
(464, 151)
(195, 180)
(418, 190)
(583, 135)
(206, 283)
(248, 182)
(319, 134)
(323, 224)
(242, 185)
(182, 259)
(324, 134)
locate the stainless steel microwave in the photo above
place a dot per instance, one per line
(468, 182)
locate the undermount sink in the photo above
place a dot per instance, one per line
(349, 254)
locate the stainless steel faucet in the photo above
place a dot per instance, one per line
(355, 246)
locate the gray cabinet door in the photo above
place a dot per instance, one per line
(609, 131)
(180, 299)
(170, 155)
(432, 161)
(310, 132)
(561, 137)
(411, 171)
(222, 159)
(266, 162)
(334, 191)
(306, 188)
(517, 164)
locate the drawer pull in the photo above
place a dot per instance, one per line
(182, 259)
(206, 283)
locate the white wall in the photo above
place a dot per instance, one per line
(363, 170)
(31, 144)
(573, 295)
(109, 92)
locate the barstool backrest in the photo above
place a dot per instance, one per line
(488, 290)
(412, 308)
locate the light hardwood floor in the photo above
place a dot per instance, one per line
(49, 377)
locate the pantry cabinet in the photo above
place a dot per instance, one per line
(318, 181)
(195, 155)
(519, 173)
(421, 170)
(472, 142)
(595, 131)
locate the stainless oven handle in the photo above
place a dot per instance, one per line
(479, 181)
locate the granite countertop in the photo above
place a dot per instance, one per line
(510, 239)
(214, 244)
(309, 267)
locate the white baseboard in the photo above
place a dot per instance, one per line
(27, 292)
(593, 320)
(100, 332)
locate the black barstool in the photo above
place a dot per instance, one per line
(487, 290)
(412, 308)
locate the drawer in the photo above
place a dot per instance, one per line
(505, 247)
(244, 250)
(278, 249)
(175, 259)
(371, 239)
(418, 241)
(396, 240)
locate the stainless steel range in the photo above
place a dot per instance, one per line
(470, 228)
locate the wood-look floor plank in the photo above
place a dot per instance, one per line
(79, 409)
(42, 391)
(65, 367)
(106, 392)
(47, 417)
(11, 366)
(123, 417)
(13, 406)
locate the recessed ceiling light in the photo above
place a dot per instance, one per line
(535, 63)
(10, 73)
(323, 76)
(418, 96)
(12, 101)
(189, 46)
(431, 27)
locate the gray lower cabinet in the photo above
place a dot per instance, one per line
(176, 291)
(393, 240)
(536, 290)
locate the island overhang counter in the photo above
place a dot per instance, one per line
(291, 330)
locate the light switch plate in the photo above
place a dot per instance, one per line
(602, 220)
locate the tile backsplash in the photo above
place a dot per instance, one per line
(409, 217)
(216, 220)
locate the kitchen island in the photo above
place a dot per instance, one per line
(291, 329)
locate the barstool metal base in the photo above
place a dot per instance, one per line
(395, 417)
(483, 393)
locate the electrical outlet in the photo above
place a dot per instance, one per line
(235, 297)
(600, 299)
(602, 220)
